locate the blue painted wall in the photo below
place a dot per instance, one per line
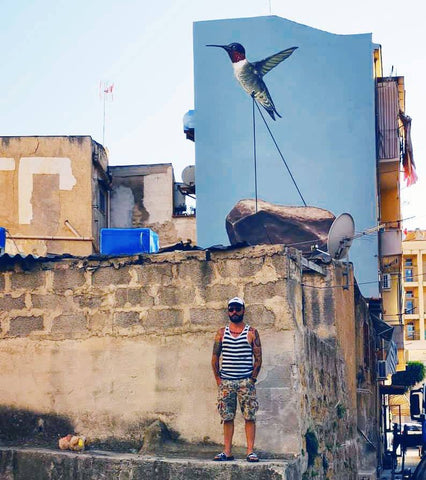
(325, 94)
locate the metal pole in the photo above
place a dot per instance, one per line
(254, 153)
(103, 126)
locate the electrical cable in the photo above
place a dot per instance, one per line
(281, 155)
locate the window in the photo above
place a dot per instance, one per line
(410, 331)
(408, 262)
(408, 274)
(103, 200)
(409, 306)
(386, 281)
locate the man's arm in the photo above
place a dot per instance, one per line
(257, 353)
(217, 350)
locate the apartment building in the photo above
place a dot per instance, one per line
(414, 284)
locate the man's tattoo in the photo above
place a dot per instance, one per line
(257, 354)
(217, 348)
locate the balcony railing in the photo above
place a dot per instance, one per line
(412, 335)
(411, 306)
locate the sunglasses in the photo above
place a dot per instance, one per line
(236, 309)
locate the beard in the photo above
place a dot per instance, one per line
(236, 319)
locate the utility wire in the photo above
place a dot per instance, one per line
(337, 286)
(406, 284)
(281, 155)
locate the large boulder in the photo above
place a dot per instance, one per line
(300, 227)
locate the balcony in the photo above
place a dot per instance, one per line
(411, 334)
(411, 306)
(410, 277)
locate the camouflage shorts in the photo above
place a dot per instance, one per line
(229, 391)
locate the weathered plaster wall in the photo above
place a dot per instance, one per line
(45, 181)
(111, 345)
(368, 399)
(142, 196)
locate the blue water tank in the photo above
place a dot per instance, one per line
(2, 239)
(128, 241)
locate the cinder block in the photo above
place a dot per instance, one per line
(229, 268)
(259, 293)
(164, 318)
(219, 293)
(28, 280)
(133, 296)
(208, 317)
(8, 303)
(126, 319)
(281, 265)
(54, 302)
(249, 267)
(171, 296)
(68, 279)
(259, 316)
(154, 274)
(103, 277)
(71, 325)
(23, 326)
(88, 301)
(199, 272)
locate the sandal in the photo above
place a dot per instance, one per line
(252, 457)
(221, 457)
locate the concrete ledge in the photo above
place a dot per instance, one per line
(39, 463)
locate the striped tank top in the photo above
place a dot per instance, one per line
(237, 355)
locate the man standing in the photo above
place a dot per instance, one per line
(239, 345)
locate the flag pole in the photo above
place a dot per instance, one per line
(106, 90)
(103, 125)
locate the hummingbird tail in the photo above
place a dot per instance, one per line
(271, 113)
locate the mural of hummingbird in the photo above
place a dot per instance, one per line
(250, 75)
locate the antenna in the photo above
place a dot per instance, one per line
(340, 236)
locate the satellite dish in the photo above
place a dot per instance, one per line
(340, 236)
(188, 175)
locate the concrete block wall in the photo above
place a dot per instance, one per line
(113, 344)
(110, 345)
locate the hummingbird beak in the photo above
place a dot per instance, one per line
(225, 47)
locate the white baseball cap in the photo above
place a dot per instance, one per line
(237, 300)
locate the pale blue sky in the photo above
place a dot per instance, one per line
(54, 53)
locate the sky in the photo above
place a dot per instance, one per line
(56, 53)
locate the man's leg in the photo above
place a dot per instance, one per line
(250, 435)
(227, 404)
(228, 433)
(249, 406)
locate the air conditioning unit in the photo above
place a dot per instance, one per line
(386, 281)
(367, 475)
(381, 370)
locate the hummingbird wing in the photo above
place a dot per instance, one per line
(264, 66)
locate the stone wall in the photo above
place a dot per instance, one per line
(111, 345)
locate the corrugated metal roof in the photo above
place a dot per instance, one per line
(7, 257)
